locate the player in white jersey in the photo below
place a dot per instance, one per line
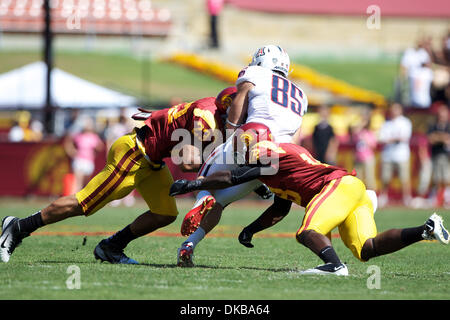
(267, 103)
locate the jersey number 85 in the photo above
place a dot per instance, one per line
(287, 94)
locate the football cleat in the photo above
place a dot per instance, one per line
(328, 268)
(11, 237)
(435, 230)
(105, 251)
(185, 257)
(192, 219)
(245, 238)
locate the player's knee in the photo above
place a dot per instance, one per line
(367, 251)
(162, 220)
(302, 236)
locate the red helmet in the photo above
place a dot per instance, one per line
(224, 99)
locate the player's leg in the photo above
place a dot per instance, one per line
(325, 211)
(154, 187)
(113, 182)
(405, 179)
(396, 239)
(204, 199)
(386, 176)
(271, 216)
(222, 198)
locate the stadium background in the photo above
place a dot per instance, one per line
(157, 52)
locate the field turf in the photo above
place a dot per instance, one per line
(224, 269)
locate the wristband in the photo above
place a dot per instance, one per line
(232, 124)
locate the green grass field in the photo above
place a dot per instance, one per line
(224, 269)
(382, 72)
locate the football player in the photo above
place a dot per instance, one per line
(332, 197)
(135, 161)
(265, 101)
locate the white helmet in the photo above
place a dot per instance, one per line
(273, 58)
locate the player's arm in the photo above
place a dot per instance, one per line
(239, 106)
(191, 158)
(274, 214)
(217, 180)
(297, 137)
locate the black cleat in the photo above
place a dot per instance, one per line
(105, 251)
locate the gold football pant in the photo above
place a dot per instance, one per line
(127, 169)
(342, 203)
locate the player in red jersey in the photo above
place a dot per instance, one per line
(332, 198)
(135, 161)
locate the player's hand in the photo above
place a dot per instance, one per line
(183, 186)
(245, 238)
(264, 192)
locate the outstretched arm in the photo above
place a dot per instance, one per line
(217, 180)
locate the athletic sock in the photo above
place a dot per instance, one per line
(196, 237)
(122, 238)
(200, 197)
(411, 235)
(31, 223)
(328, 255)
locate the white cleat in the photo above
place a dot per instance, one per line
(435, 230)
(11, 237)
(328, 269)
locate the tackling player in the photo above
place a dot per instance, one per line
(135, 161)
(332, 198)
(265, 101)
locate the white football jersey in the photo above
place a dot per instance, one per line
(274, 101)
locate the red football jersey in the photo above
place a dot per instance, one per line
(197, 117)
(299, 176)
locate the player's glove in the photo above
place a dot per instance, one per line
(183, 186)
(264, 192)
(245, 238)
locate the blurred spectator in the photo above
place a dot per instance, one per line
(16, 133)
(439, 137)
(82, 148)
(69, 122)
(214, 9)
(325, 143)
(115, 130)
(442, 56)
(395, 135)
(365, 142)
(425, 167)
(36, 131)
(26, 131)
(416, 75)
(420, 80)
(441, 60)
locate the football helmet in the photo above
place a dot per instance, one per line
(272, 57)
(224, 99)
